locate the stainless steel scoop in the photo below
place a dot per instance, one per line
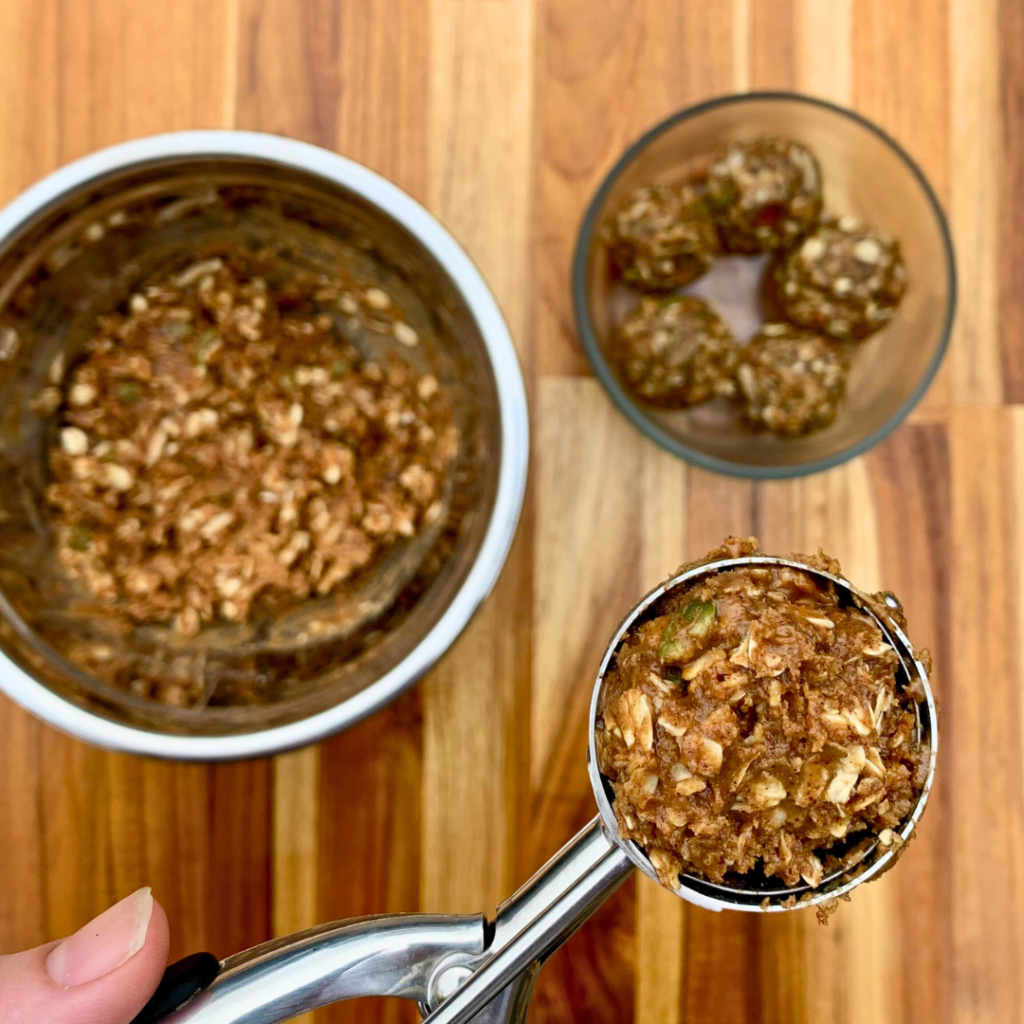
(463, 969)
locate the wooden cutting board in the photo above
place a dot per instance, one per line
(501, 116)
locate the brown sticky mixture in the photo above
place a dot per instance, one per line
(662, 237)
(764, 194)
(847, 279)
(752, 723)
(791, 381)
(676, 352)
(223, 453)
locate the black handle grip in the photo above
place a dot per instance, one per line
(181, 981)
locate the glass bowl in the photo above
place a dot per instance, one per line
(75, 246)
(866, 173)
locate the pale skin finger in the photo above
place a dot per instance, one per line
(103, 974)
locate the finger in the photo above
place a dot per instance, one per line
(103, 974)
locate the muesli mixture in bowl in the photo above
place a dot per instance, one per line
(754, 725)
(225, 455)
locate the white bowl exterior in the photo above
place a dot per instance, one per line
(70, 718)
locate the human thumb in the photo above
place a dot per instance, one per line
(103, 974)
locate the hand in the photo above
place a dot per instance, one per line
(103, 974)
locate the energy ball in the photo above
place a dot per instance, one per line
(754, 724)
(764, 194)
(846, 279)
(662, 237)
(676, 352)
(791, 380)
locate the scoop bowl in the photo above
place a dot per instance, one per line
(757, 892)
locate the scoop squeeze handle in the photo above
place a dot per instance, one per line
(181, 981)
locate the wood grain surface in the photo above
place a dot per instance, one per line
(502, 116)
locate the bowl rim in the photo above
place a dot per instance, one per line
(619, 395)
(69, 717)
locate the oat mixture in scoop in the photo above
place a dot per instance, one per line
(754, 724)
(223, 452)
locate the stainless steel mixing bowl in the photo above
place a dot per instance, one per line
(75, 246)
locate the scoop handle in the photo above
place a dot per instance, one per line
(539, 918)
(389, 955)
(181, 981)
(462, 968)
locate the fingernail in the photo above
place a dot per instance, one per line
(104, 943)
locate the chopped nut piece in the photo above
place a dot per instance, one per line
(667, 866)
(118, 477)
(155, 447)
(9, 343)
(74, 441)
(705, 661)
(201, 269)
(841, 786)
(761, 794)
(55, 373)
(216, 525)
(634, 716)
(405, 334)
(813, 871)
(687, 787)
(703, 754)
(650, 784)
(82, 394)
(229, 587)
(200, 421)
(186, 622)
(419, 482)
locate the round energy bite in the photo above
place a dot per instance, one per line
(753, 723)
(676, 352)
(764, 194)
(847, 279)
(662, 237)
(791, 381)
